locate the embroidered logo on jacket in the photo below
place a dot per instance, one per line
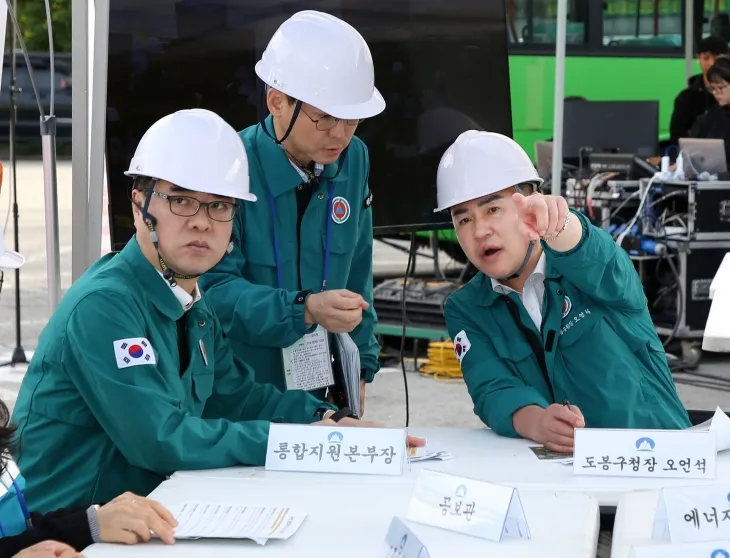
(567, 306)
(461, 345)
(340, 210)
(578, 316)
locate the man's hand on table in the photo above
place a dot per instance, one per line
(413, 441)
(552, 427)
(130, 519)
(557, 425)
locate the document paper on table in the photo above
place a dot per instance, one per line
(214, 520)
(349, 356)
(719, 423)
(428, 454)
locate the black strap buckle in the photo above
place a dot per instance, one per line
(301, 297)
(345, 412)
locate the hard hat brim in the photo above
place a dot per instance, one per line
(368, 109)
(372, 107)
(249, 198)
(246, 197)
(536, 181)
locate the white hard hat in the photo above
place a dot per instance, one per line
(197, 150)
(8, 258)
(478, 164)
(321, 60)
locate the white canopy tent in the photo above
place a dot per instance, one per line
(90, 37)
(90, 40)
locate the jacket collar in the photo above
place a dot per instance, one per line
(279, 174)
(490, 295)
(151, 285)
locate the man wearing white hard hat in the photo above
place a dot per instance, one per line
(133, 378)
(8, 258)
(553, 333)
(302, 266)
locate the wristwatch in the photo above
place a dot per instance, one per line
(345, 412)
(93, 522)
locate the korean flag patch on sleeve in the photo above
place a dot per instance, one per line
(461, 345)
(134, 351)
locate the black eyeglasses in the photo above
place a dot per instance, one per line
(717, 88)
(326, 123)
(184, 206)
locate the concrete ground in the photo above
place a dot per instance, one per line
(432, 403)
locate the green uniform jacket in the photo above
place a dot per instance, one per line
(90, 427)
(258, 317)
(606, 357)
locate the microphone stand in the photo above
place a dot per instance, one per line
(18, 356)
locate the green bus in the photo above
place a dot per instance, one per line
(616, 50)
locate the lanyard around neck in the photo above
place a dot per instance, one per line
(328, 235)
(21, 502)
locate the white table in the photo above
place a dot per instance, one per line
(483, 455)
(351, 519)
(635, 522)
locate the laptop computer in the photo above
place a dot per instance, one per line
(702, 155)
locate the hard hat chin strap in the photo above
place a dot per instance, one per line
(522, 267)
(297, 110)
(530, 248)
(150, 220)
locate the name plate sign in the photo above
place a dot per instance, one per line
(401, 542)
(693, 514)
(719, 549)
(678, 454)
(477, 508)
(333, 449)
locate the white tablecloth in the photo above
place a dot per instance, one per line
(635, 523)
(350, 518)
(481, 454)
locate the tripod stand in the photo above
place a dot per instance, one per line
(18, 356)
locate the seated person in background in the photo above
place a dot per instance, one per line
(556, 314)
(715, 123)
(133, 378)
(697, 98)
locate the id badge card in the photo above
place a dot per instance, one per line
(308, 362)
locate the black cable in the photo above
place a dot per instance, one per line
(18, 355)
(24, 50)
(464, 271)
(680, 302)
(666, 197)
(435, 248)
(401, 248)
(411, 263)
